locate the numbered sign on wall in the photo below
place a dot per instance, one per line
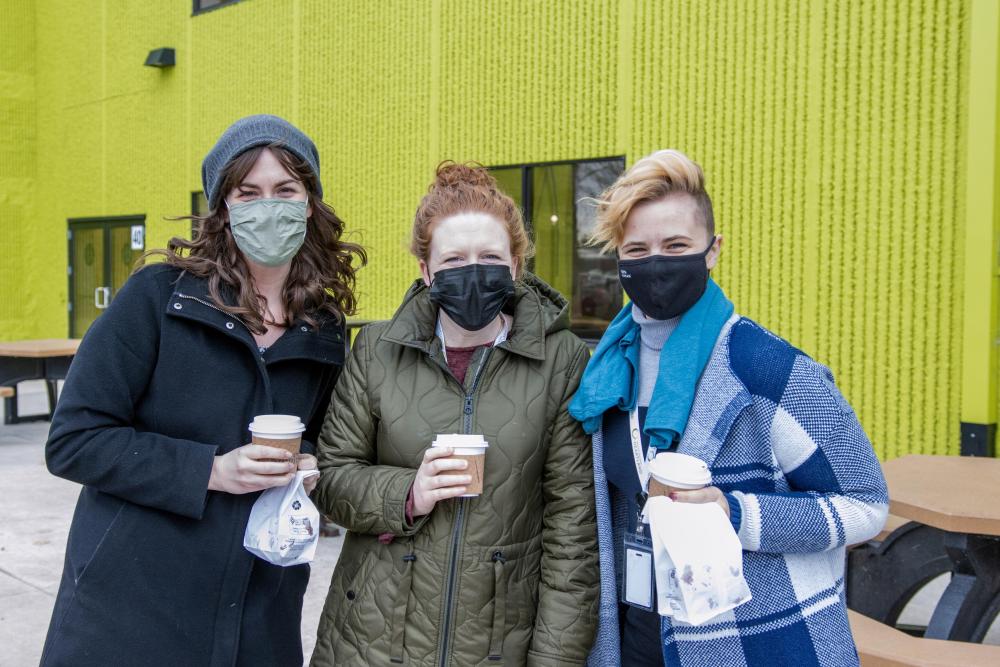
(138, 237)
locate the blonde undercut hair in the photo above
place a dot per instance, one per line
(650, 179)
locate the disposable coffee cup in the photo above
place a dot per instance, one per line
(471, 448)
(672, 471)
(281, 431)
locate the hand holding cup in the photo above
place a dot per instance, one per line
(252, 468)
(436, 479)
(684, 479)
(708, 494)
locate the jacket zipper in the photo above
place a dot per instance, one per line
(214, 307)
(256, 348)
(459, 515)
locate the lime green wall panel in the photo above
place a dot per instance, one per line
(111, 132)
(833, 133)
(367, 104)
(525, 81)
(19, 297)
(981, 281)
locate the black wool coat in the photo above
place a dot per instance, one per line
(155, 570)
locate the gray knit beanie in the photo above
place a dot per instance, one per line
(249, 132)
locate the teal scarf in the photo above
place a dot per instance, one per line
(611, 378)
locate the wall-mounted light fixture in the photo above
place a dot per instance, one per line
(160, 58)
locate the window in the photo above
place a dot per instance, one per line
(201, 6)
(560, 218)
(199, 207)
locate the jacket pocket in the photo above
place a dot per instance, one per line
(83, 564)
(368, 602)
(343, 590)
(90, 547)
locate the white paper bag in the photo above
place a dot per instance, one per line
(698, 560)
(284, 524)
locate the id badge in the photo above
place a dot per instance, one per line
(638, 588)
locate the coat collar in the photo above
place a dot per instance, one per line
(325, 343)
(719, 400)
(414, 324)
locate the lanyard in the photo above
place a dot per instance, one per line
(501, 337)
(641, 464)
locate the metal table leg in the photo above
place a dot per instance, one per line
(972, 599)
(51, 390)
(55, 368)
(10, 408)
(882, 577)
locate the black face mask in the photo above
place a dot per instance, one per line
(473, 294)
(665, 286)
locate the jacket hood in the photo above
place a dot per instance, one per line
(537, 309)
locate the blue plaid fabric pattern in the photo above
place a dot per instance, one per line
(803, 482)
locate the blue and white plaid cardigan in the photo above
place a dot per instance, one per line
(801, 474)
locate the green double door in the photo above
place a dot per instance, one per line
(102, 253)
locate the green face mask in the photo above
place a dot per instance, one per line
(269, 231)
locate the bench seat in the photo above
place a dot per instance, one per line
(882, 646)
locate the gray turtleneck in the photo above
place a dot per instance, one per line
(653, 335)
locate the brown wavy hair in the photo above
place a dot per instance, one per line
(321, 279)
(468, 188)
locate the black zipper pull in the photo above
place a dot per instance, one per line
(468, 405)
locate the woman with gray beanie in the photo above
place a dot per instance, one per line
(245, 319)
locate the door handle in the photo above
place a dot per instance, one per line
(99, 303)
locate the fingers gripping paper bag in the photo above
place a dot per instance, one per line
(283, 528)
(698, 561)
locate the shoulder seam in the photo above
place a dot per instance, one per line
(778, 341)
(816, 369)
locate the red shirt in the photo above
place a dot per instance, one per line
(459, 359)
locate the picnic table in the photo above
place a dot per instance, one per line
(948, 521)
(46, 359)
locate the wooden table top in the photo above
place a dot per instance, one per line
(37, 349)
(956, 493)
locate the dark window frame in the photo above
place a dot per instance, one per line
(195, 210)
(528, 195)
(527, 184)
(197, 9)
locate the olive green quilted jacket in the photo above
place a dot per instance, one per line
(508, 578)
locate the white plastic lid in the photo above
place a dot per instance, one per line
(277, 424)
(460, 440)
(680, 470)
